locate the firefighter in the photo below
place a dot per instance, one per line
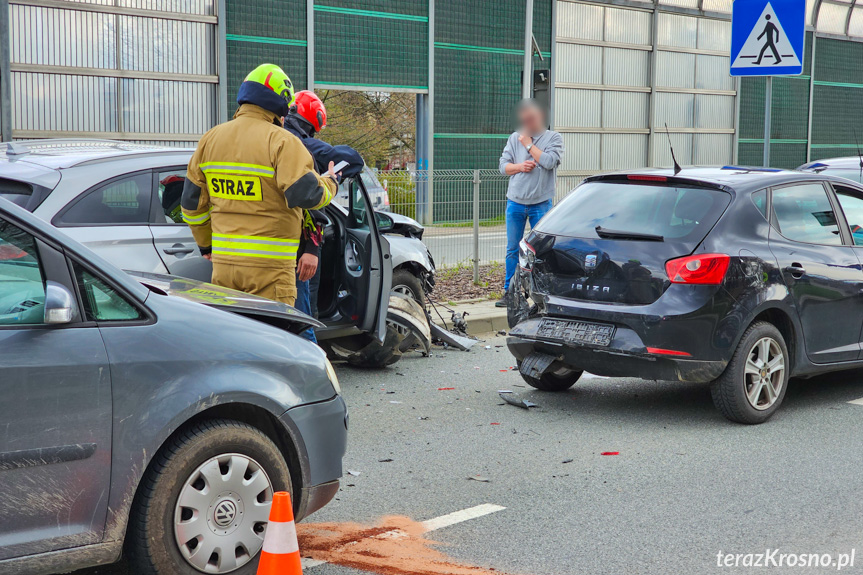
(307, 117)
(246, 187)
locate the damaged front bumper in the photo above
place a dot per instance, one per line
(625, 356)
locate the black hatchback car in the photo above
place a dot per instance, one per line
(737, 277)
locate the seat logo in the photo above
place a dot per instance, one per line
(590, 262)
(246, 188)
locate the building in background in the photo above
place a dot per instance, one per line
(615, 73)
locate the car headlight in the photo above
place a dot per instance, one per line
(334, 379)
(526, 256)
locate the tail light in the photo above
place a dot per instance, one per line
(526, 255)
(701, 269)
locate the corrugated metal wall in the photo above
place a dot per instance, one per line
(617, 66)
(122, 69)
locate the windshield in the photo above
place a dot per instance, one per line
(659, 210)
(852, 174)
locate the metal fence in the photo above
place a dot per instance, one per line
(463, 216)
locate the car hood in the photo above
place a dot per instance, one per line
(405, 226)
(271, 312)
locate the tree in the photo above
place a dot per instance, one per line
(381, 126)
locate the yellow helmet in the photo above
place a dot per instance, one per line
(274, 78)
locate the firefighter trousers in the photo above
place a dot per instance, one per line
(276, 283)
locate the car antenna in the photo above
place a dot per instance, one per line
(677, 167)
(859, 153)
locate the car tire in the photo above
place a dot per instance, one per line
(190, 463)
(747, 391)
(560, 379)
(407, 283)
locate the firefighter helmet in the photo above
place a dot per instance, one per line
(310, 107)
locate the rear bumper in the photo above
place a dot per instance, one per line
(626, 356)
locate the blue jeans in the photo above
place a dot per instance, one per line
(303, 304)
(517, 216)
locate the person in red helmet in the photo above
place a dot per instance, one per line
(306, 118)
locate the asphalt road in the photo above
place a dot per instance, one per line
(452, 246)
(686, 484)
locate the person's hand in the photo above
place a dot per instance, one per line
(208, 257)
(307, 266)
(525, 140)
(527, 167)
(331, 173)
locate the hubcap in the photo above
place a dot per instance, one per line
(765, 373)
(222, 512)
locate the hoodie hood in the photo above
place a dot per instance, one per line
(298, 126)
(259, 95)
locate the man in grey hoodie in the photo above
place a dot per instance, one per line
(531, 158)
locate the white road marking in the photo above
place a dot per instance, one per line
(592, 376)
(461, 516)
(431, 525)
(857, 401)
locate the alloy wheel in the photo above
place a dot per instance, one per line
(764, 375)
(222, 512)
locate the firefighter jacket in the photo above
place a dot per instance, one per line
(246, 187)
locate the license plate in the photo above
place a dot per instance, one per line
(576, 331)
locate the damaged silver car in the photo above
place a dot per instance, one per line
(122, 200)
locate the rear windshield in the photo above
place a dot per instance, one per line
(675, 213)
(28, 196)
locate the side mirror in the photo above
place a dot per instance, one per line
(60, 304)
(385, 223)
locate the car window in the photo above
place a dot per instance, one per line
(804, 214)
(673, 212)
(22, 286)
(852, 205)
(759, 198)
(101, 301)
(170, 192)
(359, 208)
(122, 201)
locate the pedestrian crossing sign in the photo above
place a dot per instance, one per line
(767, 37)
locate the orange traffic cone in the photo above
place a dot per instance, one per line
(281, 553)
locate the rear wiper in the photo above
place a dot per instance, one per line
(617, 234)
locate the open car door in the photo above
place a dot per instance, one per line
(367, 267)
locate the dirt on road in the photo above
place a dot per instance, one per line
(393, 546)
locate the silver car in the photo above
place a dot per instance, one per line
(122, 200)
(135, 419)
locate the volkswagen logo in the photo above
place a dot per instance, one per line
(225, 513)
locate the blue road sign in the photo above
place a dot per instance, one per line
(767, 37)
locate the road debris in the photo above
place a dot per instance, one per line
(513, 399)
(479, 478)
(445, 388)
(567, 461)
(354, 473)
(610, 453)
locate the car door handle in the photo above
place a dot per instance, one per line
(796, 270)
(178, 249)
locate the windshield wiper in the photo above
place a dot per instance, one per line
(621, 235)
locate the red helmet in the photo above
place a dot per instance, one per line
(312, 109)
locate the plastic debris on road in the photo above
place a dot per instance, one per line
(479, 478)
(610, 453)
(513, 399)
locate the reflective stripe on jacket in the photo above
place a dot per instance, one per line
(254, 180)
